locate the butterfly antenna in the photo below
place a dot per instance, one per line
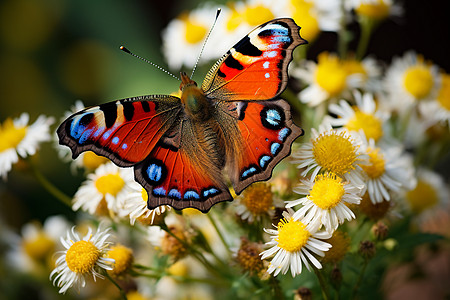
(207, 37)
(147, 61)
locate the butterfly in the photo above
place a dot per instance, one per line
(180, 148)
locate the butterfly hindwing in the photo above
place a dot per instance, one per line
(180, 173)
(256, 67)
(125, 131)
(266, 134)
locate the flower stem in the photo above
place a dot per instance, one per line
(367, 26)
(50, 187)
(323, 284)
(122, 292)
(360, 277)
(219, 233)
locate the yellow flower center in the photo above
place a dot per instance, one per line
(353, 66)
(180, 268)
(444, 93)
(39, 247)
(306, 18)
(375, 10)
(424, 196)
(109, 184)
(123, 258)
(135, 295)
(92, 161)
(11, 136)
(234, 20)
(376, 166)
(370, 124)
(334, 152)
(340, 242)
(418, 81)
(258, 198)
(330, 74)
(292, 235)
(82, 257)
(258, 14)
(327, 191)
(194, 31)
(144, 195)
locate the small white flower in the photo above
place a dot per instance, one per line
(387, 170)
(333, 151)
(108, 182)
(293, 244)
(83, 256)
(438, 110)
(365, 116)
(17, 138)
(410, 78)
(326, 201)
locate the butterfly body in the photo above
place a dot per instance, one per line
(180, 148)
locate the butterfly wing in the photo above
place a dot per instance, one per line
(125, 131)
(184, 170)
(256, 67)
(258, 135)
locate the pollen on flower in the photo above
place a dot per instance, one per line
(248, 257)
(418, 81)
(330, 74)
(258, 198)
(335, 152)
(194, 32)
(109, 184)
(376, 166)
(327, 191)
(371, 125)
(10, 136)
(292, 235)
(422, 197)
(340, 242)
(123, 257)
(257, 14)
(92, 161)
(82, 256)
(376, 9)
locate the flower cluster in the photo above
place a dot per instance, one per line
(360, 190)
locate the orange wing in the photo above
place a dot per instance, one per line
(256, 67)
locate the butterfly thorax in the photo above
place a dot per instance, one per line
(195, 103)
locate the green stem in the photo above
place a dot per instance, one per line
(367, 26)
(219, 233)
(122, 292)
(323, 284)
(50, 187)
(276, 289)
(360, 277)
(343, 35)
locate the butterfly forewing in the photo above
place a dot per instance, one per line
(125, 131)
(256, 67)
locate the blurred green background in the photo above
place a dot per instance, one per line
(54, 52)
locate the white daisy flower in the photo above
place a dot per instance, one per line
(83, 256)
(17, 138)
(333, 151)
(365, 116)
(387, 170)
(135, 205)
(328, 79)
(190, 31)
(438, 110)
(326, 201)
(109, 183)
(293, 244)
(367, 72)
(430, 193)
(409, 79)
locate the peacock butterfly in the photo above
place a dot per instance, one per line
(180, 147)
